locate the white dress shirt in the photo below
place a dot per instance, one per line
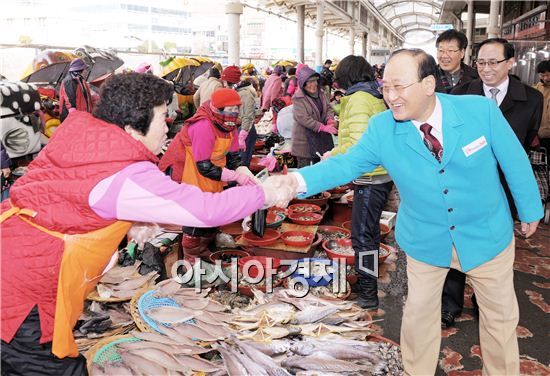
(503, 87)
(435, 120)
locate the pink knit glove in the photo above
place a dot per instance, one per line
(72, 109)
(328, 129)
(242, 140)
(331, 122)
(241, 179)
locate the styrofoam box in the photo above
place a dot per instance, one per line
(388, 218)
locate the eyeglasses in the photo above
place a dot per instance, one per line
(448, 52)
(399, 89)
(480, 64)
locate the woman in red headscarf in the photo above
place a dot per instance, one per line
(205, 153)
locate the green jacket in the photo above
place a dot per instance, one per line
(355, 112)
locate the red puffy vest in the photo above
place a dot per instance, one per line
(82, 152)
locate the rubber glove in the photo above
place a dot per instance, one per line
(268, 161)
(328, 129)
(242, 139)
(331, 122)
(244, 170)
(241, 179)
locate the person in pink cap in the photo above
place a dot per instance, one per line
(144, 68)
(273, 87)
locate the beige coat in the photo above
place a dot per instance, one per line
(205, 91)
(544, 130)
(248, 106)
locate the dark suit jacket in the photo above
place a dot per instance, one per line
(522, 107)
(468, 74)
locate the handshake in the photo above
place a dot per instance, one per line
(279, 190)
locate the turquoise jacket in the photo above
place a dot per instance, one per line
(459, 201)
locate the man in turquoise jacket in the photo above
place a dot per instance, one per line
(442, 153)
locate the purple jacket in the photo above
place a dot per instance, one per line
(5, 158)
(306, 138)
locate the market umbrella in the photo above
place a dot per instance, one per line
(101, 62)
(205, 65)
(48, 66)
(286, 63)
(180, 70)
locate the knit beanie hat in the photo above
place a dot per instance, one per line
(231, 74)
(77, 65)
(225, 97)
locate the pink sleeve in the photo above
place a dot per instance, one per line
(202, 140)
(141, 192)
(235, 142)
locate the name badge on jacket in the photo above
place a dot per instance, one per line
(474, 146)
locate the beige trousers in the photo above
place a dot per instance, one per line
(493, 284)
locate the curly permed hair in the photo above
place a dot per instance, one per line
(129, 99)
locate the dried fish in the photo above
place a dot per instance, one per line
(232, 363)
(171, 349)
(218, 331)
(155, 337)
(171, 315)
(337, 350)
(119, 369)
(313, 314)
(163, 359)
(134, 283)
(143, 365)
(166, 288)
(118, 274)
(322, 362)
(197, 364)
(275, 347)
(191, 303)
(272, 368)
(176, 335)
(195, 332)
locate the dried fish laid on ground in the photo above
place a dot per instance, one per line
(100, 320)
(182, 316)
(330, 356)
(144, 354)
(122, 282)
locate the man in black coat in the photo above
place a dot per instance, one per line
(522, 107)
(451, 70)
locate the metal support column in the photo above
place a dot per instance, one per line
(493, 30)
(352, 29)
(369, 46)
(470, 32)
(300, 16)
(319, 32)
(234, 9)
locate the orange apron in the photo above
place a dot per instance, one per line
(85, 257)
(191, 174)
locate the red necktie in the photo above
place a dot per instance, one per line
(432, 143)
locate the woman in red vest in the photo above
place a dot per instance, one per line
(205, 153)
(68, 213)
